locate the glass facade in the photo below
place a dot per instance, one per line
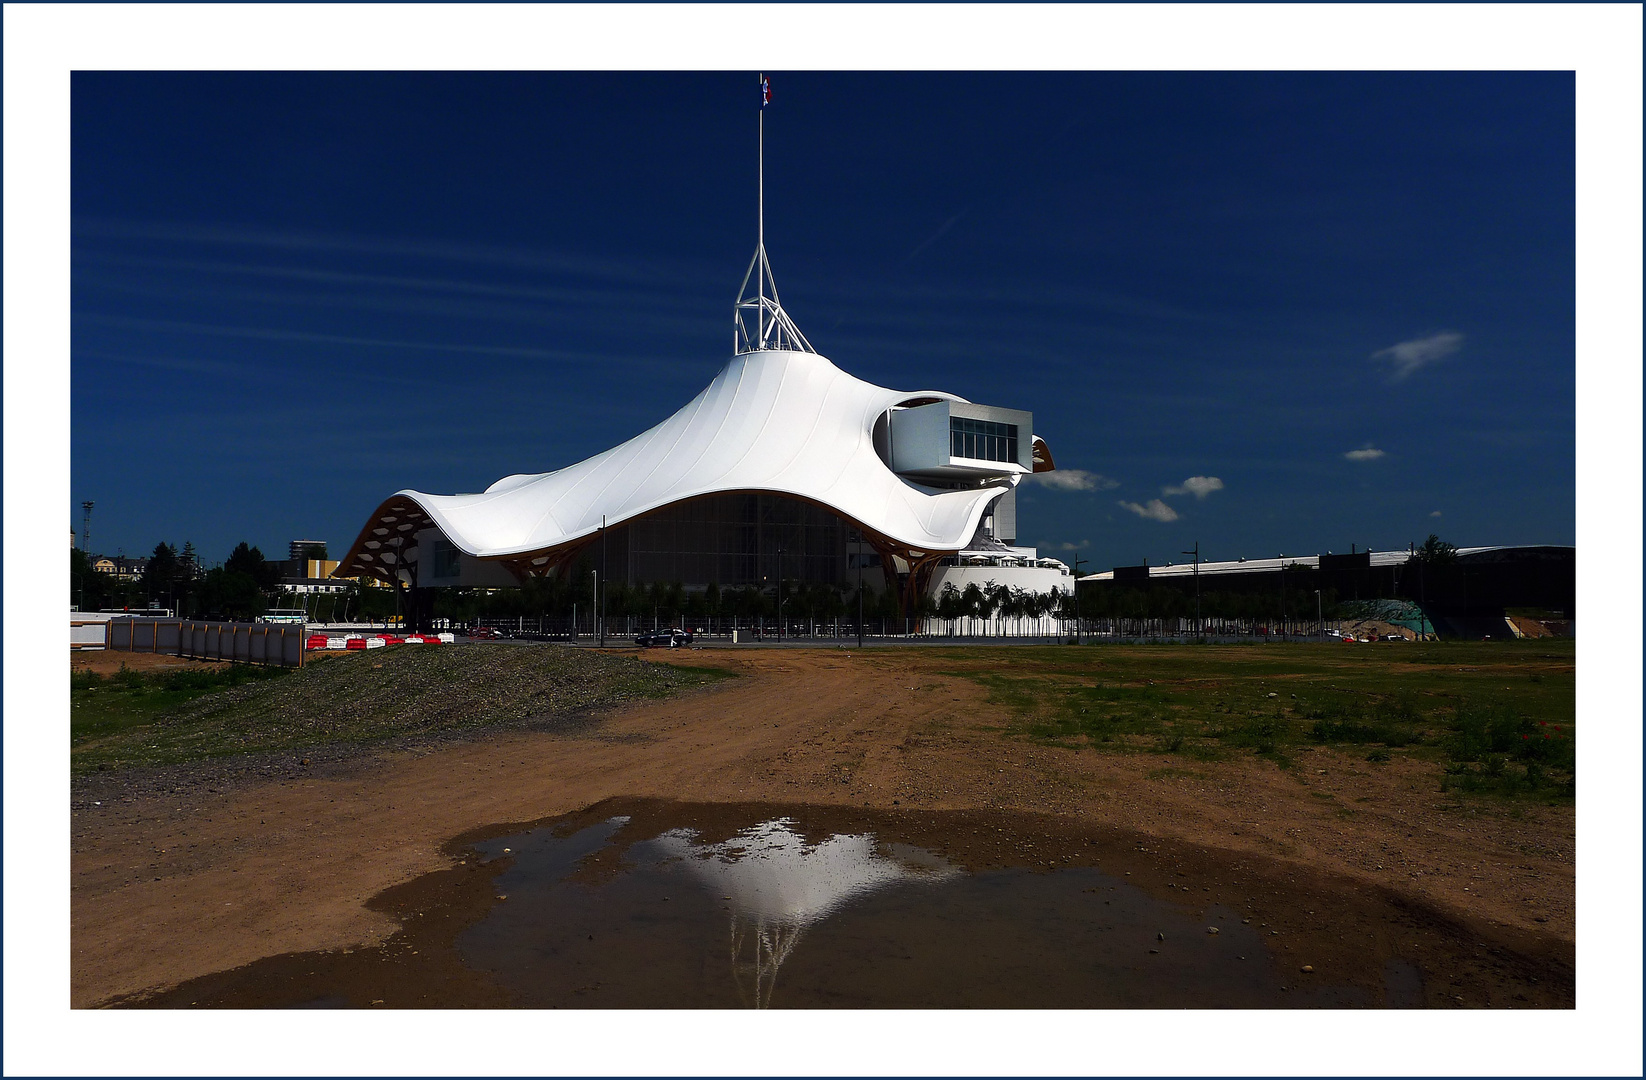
(445, 559)
(732, 540)
(982, 440)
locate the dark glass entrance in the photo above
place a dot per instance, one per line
(732, 540)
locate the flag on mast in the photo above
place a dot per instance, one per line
(765, 91)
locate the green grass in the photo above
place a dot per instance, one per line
(707, 673)
(103, 706)
(1497, 718)
(1498, 749)
(144, 720)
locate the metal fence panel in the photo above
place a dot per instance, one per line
(167, 636)
(207, 639)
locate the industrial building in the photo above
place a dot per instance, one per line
(1471, 592)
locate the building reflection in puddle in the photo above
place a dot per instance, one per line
(647, 907)
(779, 885)
(642, 908)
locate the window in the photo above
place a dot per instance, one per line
(446, 564)
(982, 440)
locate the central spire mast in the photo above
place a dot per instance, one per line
(761, 322)
(765, 96)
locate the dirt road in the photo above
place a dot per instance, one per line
(173, 886)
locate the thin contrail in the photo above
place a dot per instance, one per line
(933, 238)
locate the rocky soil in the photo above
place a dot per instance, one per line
(394, 698)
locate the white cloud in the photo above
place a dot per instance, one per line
(1434, 513)
(1066, 545)
(1198, 486)
(1365, 453)
(1072, 480)
(1408, 356)
(1154, 511)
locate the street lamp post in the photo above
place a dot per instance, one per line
(1282, 594)
(1320, 617)
(1077, 561)
(1196, 553)
(780, 592)
(600, 585)
(860, 588)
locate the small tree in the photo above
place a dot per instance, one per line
(162, 574)
(232, 594)
(89, 588)
(249, 561)
(988, 600)
(1436, 552)
(971, 598)
(189, 573)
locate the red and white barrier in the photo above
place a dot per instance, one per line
(376, 641)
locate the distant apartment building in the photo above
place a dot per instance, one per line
(119, 567)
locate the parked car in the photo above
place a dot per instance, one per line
(672, 639)
(476, 633)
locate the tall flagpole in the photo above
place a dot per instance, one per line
(762, 170)
(773, 328)
(760, 319)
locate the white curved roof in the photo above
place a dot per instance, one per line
(771, 872)
(773, 421)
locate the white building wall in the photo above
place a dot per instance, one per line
(1005, 517)
(920, 438)
(87, 629)
(1035, 579)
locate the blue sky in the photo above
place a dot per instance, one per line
(1268, 312)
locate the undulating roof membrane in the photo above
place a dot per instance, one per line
(777, 421)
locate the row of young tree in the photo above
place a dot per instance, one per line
(243, 586)
(1301, 596)
(665, 602)
(799, 602)
(989, 600)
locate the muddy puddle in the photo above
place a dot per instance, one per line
(644, 904)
